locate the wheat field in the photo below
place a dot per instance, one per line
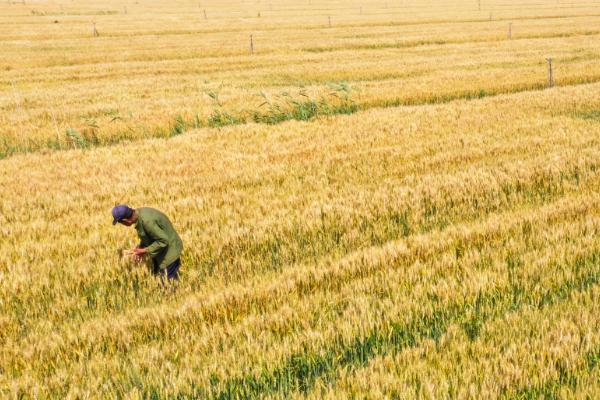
(379, 199)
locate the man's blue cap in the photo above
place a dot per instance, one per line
(120, 212)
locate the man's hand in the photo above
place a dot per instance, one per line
(138, 253)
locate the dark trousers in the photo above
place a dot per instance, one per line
(172, 270)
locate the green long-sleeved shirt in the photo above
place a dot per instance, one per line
(158, 236)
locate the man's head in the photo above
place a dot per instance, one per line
(124, 215)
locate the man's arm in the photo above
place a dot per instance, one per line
(155, 232)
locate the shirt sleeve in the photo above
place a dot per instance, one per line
(159, 238)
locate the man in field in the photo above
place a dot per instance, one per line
(158, 239)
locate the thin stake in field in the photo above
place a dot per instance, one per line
(550, 73)
(329, 18)
(251, 45)
(205, 14)
(94, 30)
